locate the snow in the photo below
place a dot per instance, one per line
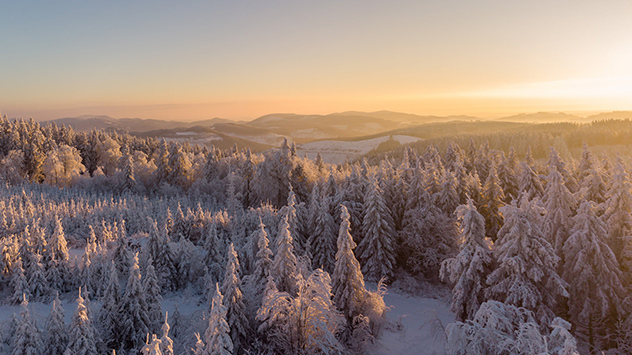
(336, 152)
(416, 325)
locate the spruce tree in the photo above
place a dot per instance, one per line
(108, 318)
(216, 337)
(559, 203)
(376, 251)
(593, 276)
(26, 339)
(348, 289)
(234, 302)
(81, 338)
(469, 269)
(493, 197)
(322, 241)
(153, 298)
(618, 209)
(284, 269)
(56, 339)
(526, 275)
(133, 313)
(18, 283)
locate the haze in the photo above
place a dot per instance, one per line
(243, 59)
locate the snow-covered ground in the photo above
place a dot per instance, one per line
(416, 325)
(336, 152)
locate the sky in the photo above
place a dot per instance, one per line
(191, 60)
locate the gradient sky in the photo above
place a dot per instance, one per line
(191, 60)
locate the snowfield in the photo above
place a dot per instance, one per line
(416, 325)
(336, 152)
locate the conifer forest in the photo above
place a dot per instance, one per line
(112, 243)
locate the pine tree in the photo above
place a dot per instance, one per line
(153, 298)
(284, 269)
(469, 269)
(133, 311)
(348, 289)
(376, 251)
(216, 337)
(234, 302)
(526, 275)
(56, 335)
(322, 241)
(26, 340)
(81, 338)
(58, 269)
(593, 276)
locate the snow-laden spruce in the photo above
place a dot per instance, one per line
(82, 337)
(234, 302)
(56, 339)
(593, 276)
(469, 269)
(216, 337)
(377, 247)
(526, 275)
(27, 339)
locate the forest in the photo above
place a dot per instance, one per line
(530, 229)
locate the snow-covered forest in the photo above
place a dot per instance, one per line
(274, 249)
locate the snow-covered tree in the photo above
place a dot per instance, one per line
(376, 250)
(234, 302)
(284, 268)
(152, 297)
(56, 339)
(469, 269)
(322, 242)
(166, 343)
(133, 312)
(108, 318)
(593, 276)
(82, 339)
(217, 337)
(618, 210)
(526, 275)
(493, 197)
(499, 328)
(26, 339)
(347, 281)
(559, 203)
(306, 323)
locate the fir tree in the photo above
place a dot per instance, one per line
(469, 269)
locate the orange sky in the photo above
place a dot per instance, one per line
(241, 60)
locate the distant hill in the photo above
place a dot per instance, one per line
(270, 130)
(90, 122)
